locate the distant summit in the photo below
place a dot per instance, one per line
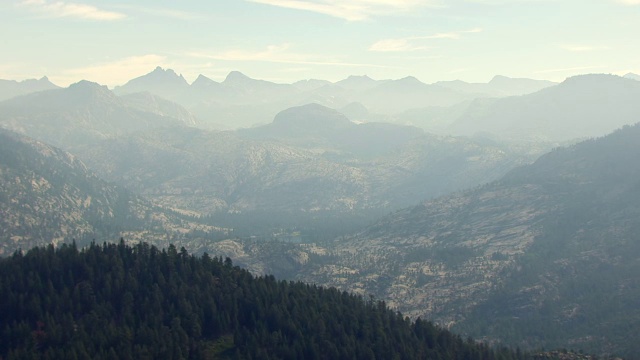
(165, 83)
(579, 107)
(203, 82)
(311, 116)
(358, 83)
(84, 92)
(306, 125)
(237, 77)
(12, 88)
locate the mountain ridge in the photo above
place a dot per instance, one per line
(13, 88)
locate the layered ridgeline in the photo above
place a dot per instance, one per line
(12, 88)
(49, 196)
(311, 160)
(85, 113)
(114, 301)
(311, 167)
(240, 101)
(578, 108)
(544, 257)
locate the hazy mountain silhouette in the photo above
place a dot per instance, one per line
(165, 83)
(148, 102)
(240, 101)
(499, 86)
(12, 88)
(407, 93)
(358, 83)
(311, 84)
(80, 114)
(314, 126)
(580, 107)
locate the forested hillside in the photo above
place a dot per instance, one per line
(119, 302)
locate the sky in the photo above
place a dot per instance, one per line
(111, 42)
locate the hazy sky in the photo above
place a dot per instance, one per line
(113, 41)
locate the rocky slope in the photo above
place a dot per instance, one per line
(48, 196)
(544, 257)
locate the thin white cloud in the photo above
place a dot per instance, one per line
(350, 10)
(629, 2)
(73, 10)
(112, 73)
(408, 43)
(447, 35)
(162, 12)
(278, 54)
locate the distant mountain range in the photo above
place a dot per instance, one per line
(11, 88)
(86, 112)
(578, 108)
(499, 86)
(240, 101)
(505, 108)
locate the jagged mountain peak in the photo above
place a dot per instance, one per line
(160, 74)
(164, 82)
(159, 71)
